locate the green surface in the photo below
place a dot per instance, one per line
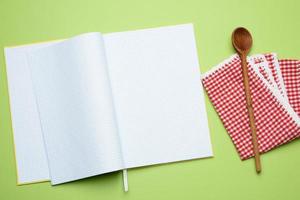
(275, 26)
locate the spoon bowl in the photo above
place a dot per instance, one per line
(242, 40)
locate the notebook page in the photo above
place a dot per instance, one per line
(158, 95)
(75, 105)
(29, 150)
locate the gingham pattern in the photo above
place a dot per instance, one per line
(275, 126)
(262, 65)
(291, 75)
(276, 72)
(268, 67)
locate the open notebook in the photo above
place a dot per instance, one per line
(98, 103)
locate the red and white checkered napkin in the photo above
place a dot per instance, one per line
(290, 70)
(276, 121)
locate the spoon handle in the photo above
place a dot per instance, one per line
(250, 113)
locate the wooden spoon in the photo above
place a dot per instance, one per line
(242, 42)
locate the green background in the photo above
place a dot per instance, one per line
(275, 26)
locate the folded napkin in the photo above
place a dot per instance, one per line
(274, 87)
(291, 75)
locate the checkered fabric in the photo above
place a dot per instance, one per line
(275, 120)
(276, 73)
(291, 75)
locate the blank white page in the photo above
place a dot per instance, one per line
(28, 140)
(158, 95)
(75, 104)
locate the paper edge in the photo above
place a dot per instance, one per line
(18, 181)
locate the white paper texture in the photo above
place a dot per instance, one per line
(158, 95)
(105, 103)
(76, 108)
(29, 148)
